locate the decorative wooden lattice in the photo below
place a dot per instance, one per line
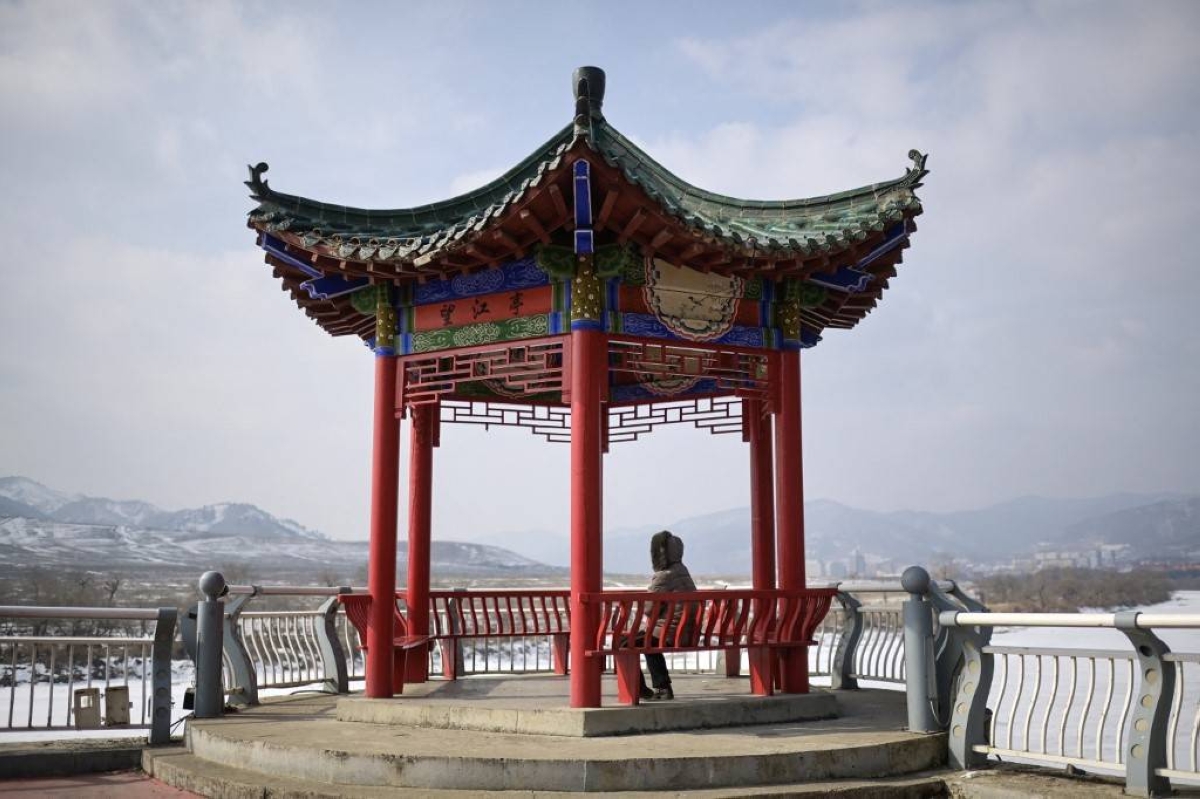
(744, 372)
(535, 374)
(625, 423)
(714, 414)
(521, 369)
(551, 421)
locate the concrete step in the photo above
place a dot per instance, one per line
(302, 738)
(525, 707)
(67, 757)
(181, 769)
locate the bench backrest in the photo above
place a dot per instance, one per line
(500, 613)
(707, 619)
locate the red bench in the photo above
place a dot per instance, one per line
(456, 615)
(358, 612)
(764, 622)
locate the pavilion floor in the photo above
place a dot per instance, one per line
(305, 740)
(538, 705)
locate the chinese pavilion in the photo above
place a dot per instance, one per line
(588, 295)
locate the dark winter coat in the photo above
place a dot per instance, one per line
(670, 576)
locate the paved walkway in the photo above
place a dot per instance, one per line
(117, 784)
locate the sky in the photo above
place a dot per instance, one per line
(1041, 337)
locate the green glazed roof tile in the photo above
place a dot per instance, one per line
(801, 226)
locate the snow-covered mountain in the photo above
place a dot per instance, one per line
(225, 517)
(34, 494)
(97, 510)
(232, 517)
(43, 527)
(28, 542)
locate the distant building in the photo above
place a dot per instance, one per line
(859, 567)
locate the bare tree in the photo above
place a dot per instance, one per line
(112, 586)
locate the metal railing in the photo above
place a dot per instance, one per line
(1118, 711)
(1133, 712)
(56, 682)
(286, 648)
(861, 639)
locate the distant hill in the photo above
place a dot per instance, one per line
(28, 542)
(34, 494)
(40, 526)
(11, 507)
(719, 542)
(1167, 530)
(52, 527)
(34, 500)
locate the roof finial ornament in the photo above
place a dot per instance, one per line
(917, 171)
(258, 187)
(589, 97)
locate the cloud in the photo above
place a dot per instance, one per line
(1034, 305)
(473, 180)
(1040, 338)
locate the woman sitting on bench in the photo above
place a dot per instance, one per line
(670, 576)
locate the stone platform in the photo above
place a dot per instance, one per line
(303, 746)
(536, 705)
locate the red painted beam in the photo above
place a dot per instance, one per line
(381, 560)
(789, 505)
(589, 371)
(420, 518)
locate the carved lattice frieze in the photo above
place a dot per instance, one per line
(524, 369)
(625, 423)
(743, 372)
(714, 414)
(550, 421)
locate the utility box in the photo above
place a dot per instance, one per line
(116, 706)
(87, 708)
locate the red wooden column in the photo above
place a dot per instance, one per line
(762, 527)
(420, 516)
(381, 562)
(789, 505)
(589, 374)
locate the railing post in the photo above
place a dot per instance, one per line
(968, 721)
(244, 679)
(333, 659)
(921, 688)
(160, 684)
(841, 665)
(452, 648)
(1146, 751)
(948, 645)
(210, 698)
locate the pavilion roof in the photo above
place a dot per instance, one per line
(761, 229)
(636, 199)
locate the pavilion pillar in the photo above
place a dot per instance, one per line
(381, 560)
(762, 527)
(589, 375)
(420, 516)
(789, 505)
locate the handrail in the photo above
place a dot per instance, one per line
(945, 586)
(291, 590)
(1142, 621)
(76, 640)
(50, 612)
